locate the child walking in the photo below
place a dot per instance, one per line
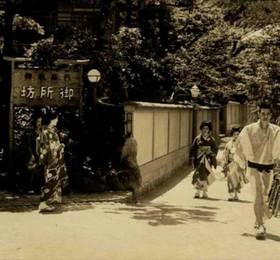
(235, 175)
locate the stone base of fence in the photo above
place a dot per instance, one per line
(157, 171)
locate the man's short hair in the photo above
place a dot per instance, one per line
(265, 105)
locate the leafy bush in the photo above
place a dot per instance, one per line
(26, 24)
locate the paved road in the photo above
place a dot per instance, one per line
(170, 224)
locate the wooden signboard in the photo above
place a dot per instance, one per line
(37, 87)
(34, 87)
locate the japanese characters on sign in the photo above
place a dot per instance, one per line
(50, 87)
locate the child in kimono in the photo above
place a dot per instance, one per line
(203, 156)
(235, 175)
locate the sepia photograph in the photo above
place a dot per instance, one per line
(140, 130)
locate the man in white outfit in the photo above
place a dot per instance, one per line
(258, 150)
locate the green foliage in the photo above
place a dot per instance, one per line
(204, 47)
(189, 26)
(235, 52)
(140, 76)
(78, 44)
(228, 48)
(250, 14)
(26, 24)
(127, 42)
(44, 52)
(258, 62)
(25, 30)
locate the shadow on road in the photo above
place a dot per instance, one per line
(268, 236)
(68, 207)
(72, 202)
(167, 184)
(240, 201)
(206, 207)
(163, 214)
(209, 198)
(18, 208)
(60, 208)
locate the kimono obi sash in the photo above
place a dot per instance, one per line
(203, 150)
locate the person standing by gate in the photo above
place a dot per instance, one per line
(131, 175)
(258, 149)
(203, 156)
(52, 159)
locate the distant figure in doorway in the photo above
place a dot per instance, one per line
(52, 159)
(235, 174)
(258, 149)
(131, 176)
(203, 156)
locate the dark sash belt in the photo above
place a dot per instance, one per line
(261, 167)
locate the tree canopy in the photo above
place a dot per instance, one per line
(160, 49)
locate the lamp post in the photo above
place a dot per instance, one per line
(94, 76)
(195, 91)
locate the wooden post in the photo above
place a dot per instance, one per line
(81, 89)
(94, 101)
(5, 92)
(12, 61)
(11, 122)
(194, 121)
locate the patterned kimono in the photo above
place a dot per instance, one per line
(203, 151)
(52, 158)
(235, 174)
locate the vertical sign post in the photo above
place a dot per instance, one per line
(11, 108)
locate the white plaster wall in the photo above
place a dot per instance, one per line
(163, 134)
(174, 130)
(184, 139)
(190, 126)
(143, 133)
(207, 114)
(160, 132)
(235, 115)
(202, 115)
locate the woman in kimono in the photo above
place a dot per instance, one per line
(235, 174)
(51, 156)
(203, 156)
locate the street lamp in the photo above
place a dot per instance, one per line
(94, 76)
(195, 91)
